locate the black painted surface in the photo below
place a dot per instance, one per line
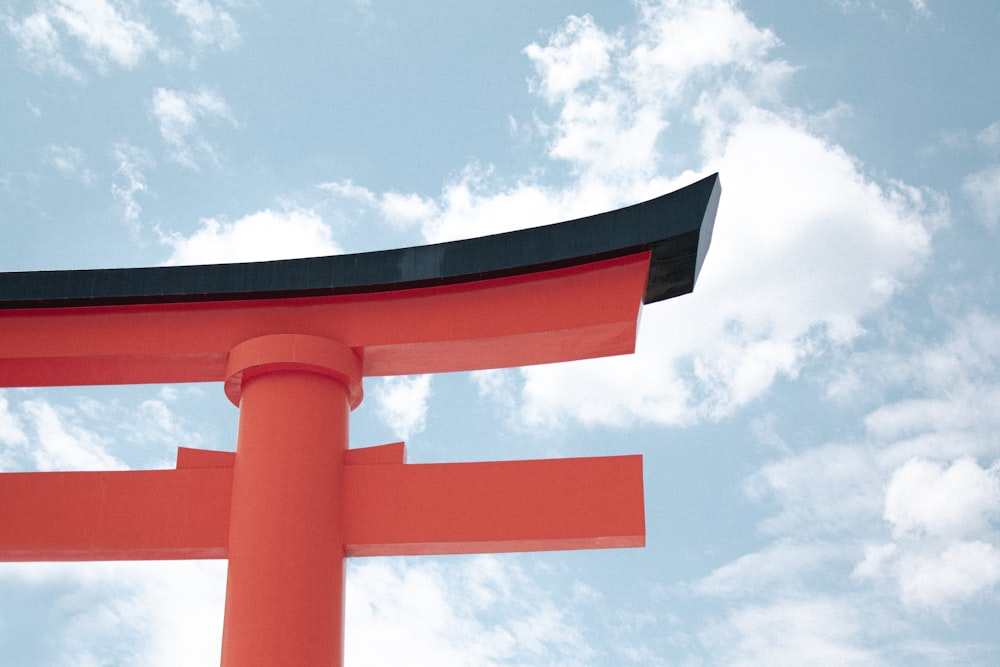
(676, 227)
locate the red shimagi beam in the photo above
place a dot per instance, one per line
(560, 315)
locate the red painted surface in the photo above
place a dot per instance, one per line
(120, 515)
(390, 508)
(542, 505)
(285, 586)
(392, 453)
(294, 501)
(561, 315)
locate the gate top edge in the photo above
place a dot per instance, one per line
(675, 227)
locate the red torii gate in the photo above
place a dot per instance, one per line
(292, 341)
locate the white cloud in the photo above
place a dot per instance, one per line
(208, 25)
(347, 189)
(983, 191)
(822, 631)
(182, 600)
(481, 610)
(934, 577)
(804, 248)
(497, 386)
(11, 431)
(968, 408)
(129, 179)
(470, 206)
(924, 497)
(600, 132)
(822, 491)
(965, 358)
(96, 432)
(576, 55)
(877, 558)
(404, 210)
(949, 409)
(478, 611)
(13, 439)
(920, 7)
(105, 32)
(69, 161)
(958, 573)
(169, 613)
(400, 210)
(781, 566)
(63, 442)
(989, 136)
(417, 615)
(179, 115)
(926, 508)
(612, 92)
(40, 45)
(675, 51)
(264, 235)
(401, 402)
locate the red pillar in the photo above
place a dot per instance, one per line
(285, 587)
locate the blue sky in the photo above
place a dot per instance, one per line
(819, 419)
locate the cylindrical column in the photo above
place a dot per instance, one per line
(285, 587)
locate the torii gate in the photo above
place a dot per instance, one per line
(292, 341)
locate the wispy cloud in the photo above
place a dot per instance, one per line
(69, 37)
(208, 25)
(60, 440)
(989, 136)
(179, 115)
(826, 630)
(920, 7)
(479, 611)
(104, 33)
(70, 162)
(983, 190)
(909, 509)
(13, 438)
(38, 433)
(101, 612)
(129, 179)
(401, 211)
(40, 45)
(401, 402)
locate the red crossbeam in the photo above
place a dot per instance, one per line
(390, 508)
(559, 315)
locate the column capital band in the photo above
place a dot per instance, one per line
(298, 352)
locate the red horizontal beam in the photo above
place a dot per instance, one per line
(578, 312)
(457, 508)
(121, 515)
(389, 509)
